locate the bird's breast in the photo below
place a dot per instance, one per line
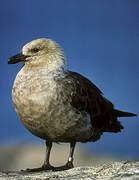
(33, 93)
(44, 111)
(34, 98)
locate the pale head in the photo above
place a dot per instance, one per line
(41, 52)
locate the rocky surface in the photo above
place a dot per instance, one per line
(88, 165)
(17, 157)
(124, 170)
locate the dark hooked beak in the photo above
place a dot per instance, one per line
(17, 58)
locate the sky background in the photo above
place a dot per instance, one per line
(100, 40)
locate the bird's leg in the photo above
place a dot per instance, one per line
(69, 164)
(70, 159)
(46, 165)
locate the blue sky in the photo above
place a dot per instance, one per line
(100, 40)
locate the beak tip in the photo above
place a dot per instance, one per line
(9, 61)
(17, 58)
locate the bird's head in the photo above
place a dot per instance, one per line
(40, 52)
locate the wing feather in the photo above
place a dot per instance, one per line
(85, 96)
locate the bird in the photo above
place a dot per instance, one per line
(58, 105)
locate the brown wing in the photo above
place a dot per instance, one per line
(85, 96)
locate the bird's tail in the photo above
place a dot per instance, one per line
(118, 113)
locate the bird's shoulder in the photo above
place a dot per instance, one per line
(80, 91)
(83, 95)
(78, 82)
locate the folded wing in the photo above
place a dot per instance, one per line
(83, 95)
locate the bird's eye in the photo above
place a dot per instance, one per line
(35, 50)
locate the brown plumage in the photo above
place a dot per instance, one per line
(58, 105)
(87, 97)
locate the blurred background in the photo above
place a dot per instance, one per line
(100, 40)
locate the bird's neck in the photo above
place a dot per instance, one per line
(55, 63)
(52, 63)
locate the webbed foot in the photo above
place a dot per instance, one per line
(67, 166)
(43, 168)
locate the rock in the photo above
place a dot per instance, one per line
(122, 170)
(17, 157)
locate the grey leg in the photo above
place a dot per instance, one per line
(70, 159)
(46, 165)
(69, 164)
